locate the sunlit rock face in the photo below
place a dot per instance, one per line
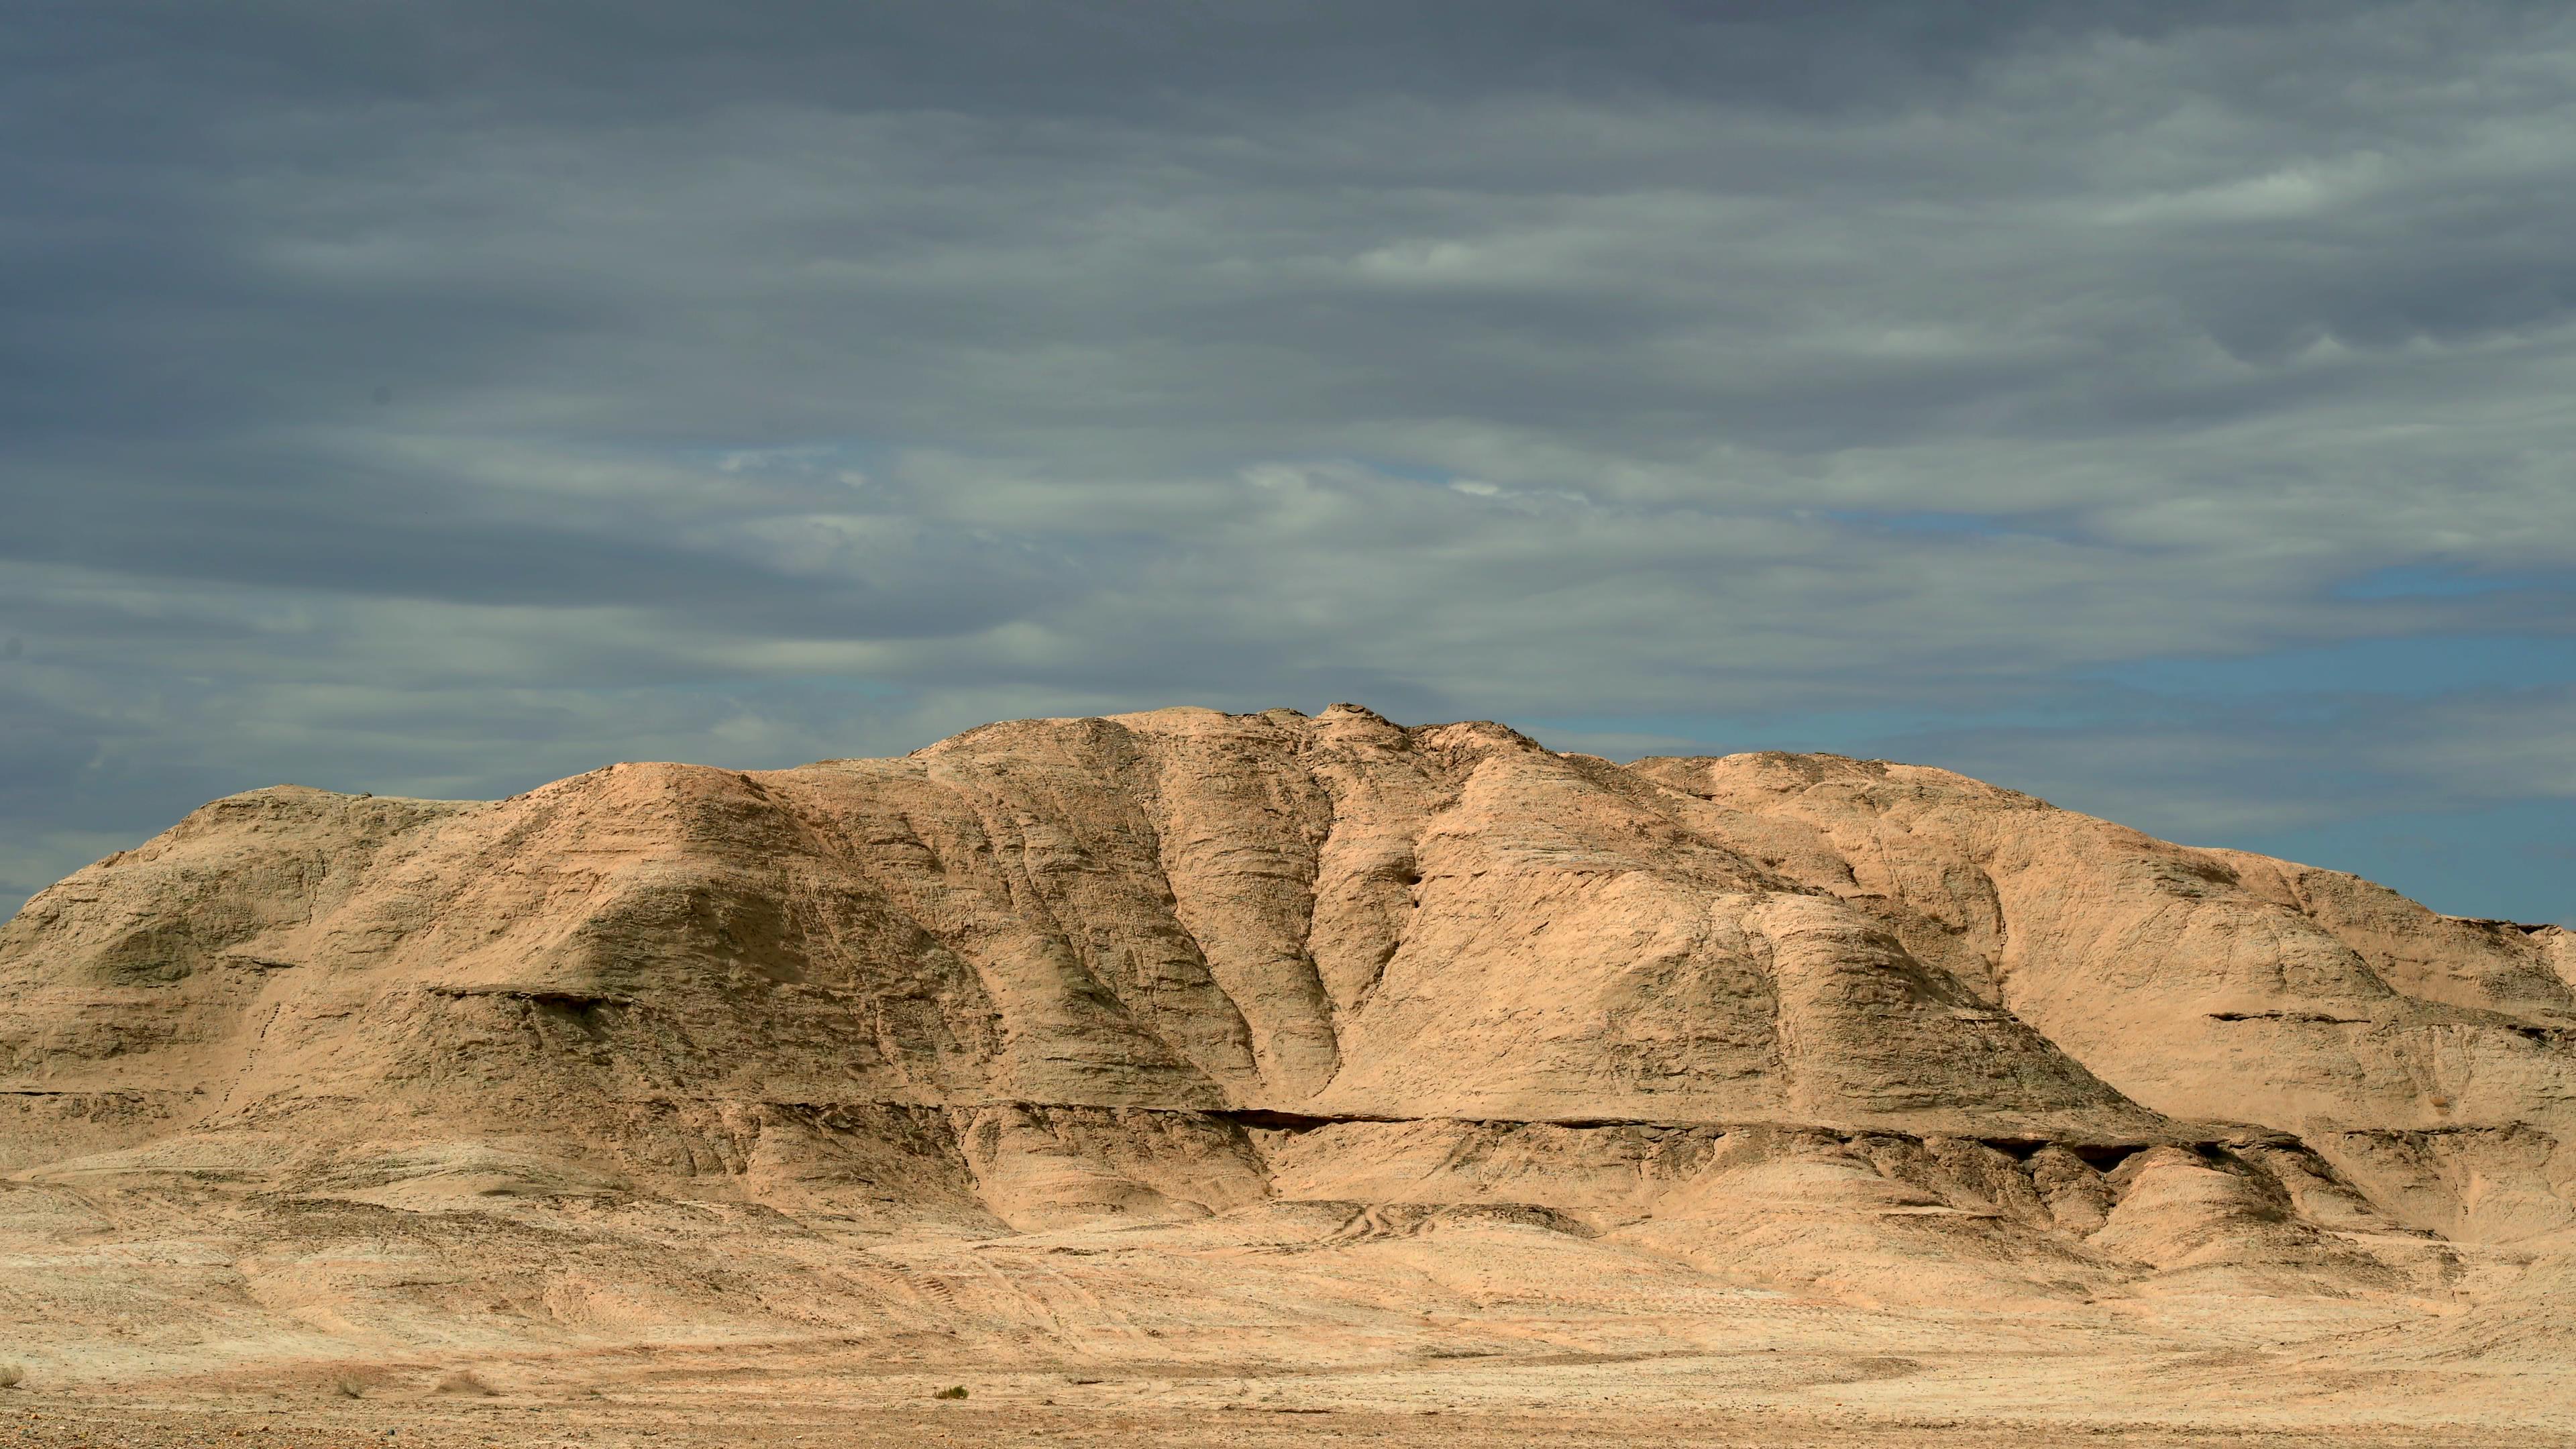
(1841, 1027)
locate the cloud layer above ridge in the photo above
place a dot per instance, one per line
(2162, 408)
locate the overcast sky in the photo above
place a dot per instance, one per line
(2167, 409)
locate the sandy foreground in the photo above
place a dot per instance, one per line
(1827, 1390)
(1468, 1331)
(1562, 1404)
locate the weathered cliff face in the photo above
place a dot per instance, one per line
(1177, 964)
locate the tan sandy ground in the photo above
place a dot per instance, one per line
(1761, 1397)
(1512, 1349)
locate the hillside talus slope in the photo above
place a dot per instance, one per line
(1317, 1039)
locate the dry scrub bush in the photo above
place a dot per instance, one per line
(465, 1381)
(11, 1375)
(956, 1392)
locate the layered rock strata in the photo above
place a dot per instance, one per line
(1181, 965)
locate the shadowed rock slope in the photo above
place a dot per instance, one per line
(1847, 1026)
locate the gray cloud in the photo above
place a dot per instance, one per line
(436, 397)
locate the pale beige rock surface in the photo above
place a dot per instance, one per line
(1197, 1048)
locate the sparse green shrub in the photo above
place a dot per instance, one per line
(957, 1391)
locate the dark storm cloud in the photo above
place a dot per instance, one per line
(438, 396)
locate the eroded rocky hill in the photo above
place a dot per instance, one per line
(1797, 1023)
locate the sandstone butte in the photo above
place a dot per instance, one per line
(1398, 1061)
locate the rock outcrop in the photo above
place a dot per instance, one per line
(1851, 1026)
